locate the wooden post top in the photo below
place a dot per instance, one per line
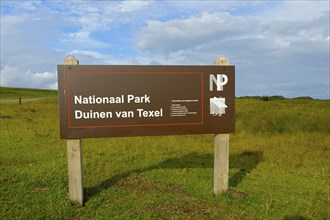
(71, 60)
(221, 61)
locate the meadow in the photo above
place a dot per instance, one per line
(279, 161)
(7, 93)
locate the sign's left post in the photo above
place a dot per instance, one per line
(74, 148)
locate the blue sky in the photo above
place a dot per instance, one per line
(278, 47)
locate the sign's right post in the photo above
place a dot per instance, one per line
(221, 152)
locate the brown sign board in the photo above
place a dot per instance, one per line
(141, 100)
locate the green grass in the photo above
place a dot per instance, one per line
(279, 157)
(7, 93)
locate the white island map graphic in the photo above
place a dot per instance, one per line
(217, 106)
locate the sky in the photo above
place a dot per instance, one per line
(277, 47)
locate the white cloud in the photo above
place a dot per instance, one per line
(77, 39)
(268, 53)
(99, 16)
(222, 28)
(14, 76)
(185, 34)
(130, 6)
(295, 10)
(91, 57)
(8, 75)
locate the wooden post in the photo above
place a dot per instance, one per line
(221, 152)
(74, 149)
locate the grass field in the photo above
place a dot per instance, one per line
(279, 159)
(13, 93)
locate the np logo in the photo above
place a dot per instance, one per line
(217, 106)
(220, 80)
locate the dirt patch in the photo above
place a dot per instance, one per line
(40, 189)
(180, 191)
(137, 184)
(237, 194)
(207, 210)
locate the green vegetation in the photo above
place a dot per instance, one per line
(279, 162)
(7, 93)
(273, 98)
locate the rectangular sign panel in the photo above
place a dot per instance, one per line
(115, 100)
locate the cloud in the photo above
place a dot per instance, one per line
(90, 18)
(293, 10)
(82, 37)
(269, 54)
(24, 39)
(131, 6)
(222, 28)
(26, 59)
(13, 76)
(193, 33)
